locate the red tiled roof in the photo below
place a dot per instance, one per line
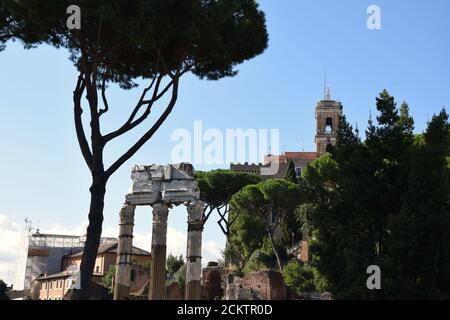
(301, 155)
(111, 247)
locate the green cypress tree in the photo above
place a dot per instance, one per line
(421, 231)
(291, 175)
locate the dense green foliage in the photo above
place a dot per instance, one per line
(263, 257)
(173, 264)
(289, 226)
(247, 234)
(259, 211)
(303, 279)
(180, 277)
(107, 279)
(382, 202)
(213, 35)
(217, 187)
(291, 175)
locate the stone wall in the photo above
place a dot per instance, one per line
(141, 277)
(212, 282)
(174, 292)
(262, 285)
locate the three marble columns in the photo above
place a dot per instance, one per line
(157, 288)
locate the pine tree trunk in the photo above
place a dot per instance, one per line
(94, 232)
(275, 251)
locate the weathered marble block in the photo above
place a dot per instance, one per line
(171, 184)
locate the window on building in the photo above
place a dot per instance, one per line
(328, 126)
(51, 285)
(298, 171)
(133, 275)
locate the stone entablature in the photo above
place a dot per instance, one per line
(170, 184)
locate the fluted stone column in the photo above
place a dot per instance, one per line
(124, 253)
(194, 251)
(158, 264)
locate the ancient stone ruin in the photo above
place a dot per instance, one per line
(161, 187)
(261, 285)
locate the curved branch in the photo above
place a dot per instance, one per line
(127, 155)
(226, 231)
(206, 216)
(78, 111)
(130, 124)
(105, 100)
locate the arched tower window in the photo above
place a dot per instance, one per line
(328, 126)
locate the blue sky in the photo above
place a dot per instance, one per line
(43, 176)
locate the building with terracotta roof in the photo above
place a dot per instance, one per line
(41, 253)
(106, 257)
(55, 286)
(328, 113)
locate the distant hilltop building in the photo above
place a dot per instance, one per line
(328, 113)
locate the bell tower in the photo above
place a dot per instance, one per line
(328, 113)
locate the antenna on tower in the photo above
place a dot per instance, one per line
(28, 224)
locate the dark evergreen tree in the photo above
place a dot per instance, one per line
(383, 202)
(421, 230)
(291, 175)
